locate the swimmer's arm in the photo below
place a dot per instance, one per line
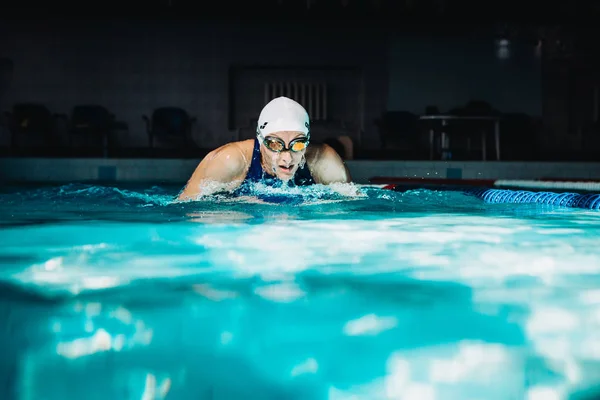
(221, 170)
(331, 170)
(329, 167)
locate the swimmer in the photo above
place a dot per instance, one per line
(280, 154)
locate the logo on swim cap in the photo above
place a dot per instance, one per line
(283, 114)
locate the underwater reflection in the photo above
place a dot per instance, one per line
(218, 217)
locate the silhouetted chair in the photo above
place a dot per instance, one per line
(91, 125)
(397, 128)
(170, 124)
(32, 123)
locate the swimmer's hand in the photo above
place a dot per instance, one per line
(347, 190)
(328, 169)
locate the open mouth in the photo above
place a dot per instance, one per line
(288, 168)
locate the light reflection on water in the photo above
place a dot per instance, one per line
(423, 295)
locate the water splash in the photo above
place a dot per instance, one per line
(421, 294)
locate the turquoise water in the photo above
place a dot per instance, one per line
(119, 293)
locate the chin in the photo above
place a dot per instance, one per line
(286, 176)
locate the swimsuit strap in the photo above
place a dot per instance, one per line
(255, 172)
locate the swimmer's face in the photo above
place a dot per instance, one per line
(283, 164)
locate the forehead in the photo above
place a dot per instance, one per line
(286, 136)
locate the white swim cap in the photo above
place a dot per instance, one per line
(283, 114)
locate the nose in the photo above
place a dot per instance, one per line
(285, 157)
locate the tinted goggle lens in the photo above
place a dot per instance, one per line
(278, 145)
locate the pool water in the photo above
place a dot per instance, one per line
(121, 293)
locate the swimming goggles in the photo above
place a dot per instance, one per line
(277, 145)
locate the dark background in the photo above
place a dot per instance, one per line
(384, 64)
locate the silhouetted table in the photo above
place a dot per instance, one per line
(445, 137)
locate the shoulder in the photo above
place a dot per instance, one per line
(232, 156)
(326, 165)
(225, 165)
(235, 149)
(320, 151)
